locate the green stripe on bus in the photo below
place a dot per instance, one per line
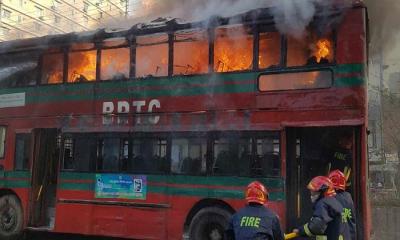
(179, 191)
(349, 68)
(17, 174)
(187, 180)
(349, 82)
(15, 184)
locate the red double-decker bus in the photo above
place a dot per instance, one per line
(154, 132)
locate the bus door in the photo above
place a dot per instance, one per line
(44, 178)
(312, 152)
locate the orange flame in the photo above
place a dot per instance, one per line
(233, 49)
(323, 49)
(82, 66)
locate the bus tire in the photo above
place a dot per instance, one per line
(11, 217)
(209, 224)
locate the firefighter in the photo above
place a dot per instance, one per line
(255, 221)
(326, 222)
(348, 216)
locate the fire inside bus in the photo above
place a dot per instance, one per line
(154, 132)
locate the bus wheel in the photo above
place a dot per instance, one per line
(209, 224)
(11, 218)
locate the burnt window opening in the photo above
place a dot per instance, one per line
(269, 53)
(233, 48)
(149, 155)
(311, 49)
(52, 68)
(152, 55)
(2, 140)
(188, 155)
(19, 69)
(191, 49)
(82, 66)
(22, 151)
(115, 63)
(80, 154)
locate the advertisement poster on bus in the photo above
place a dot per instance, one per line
(120, 186)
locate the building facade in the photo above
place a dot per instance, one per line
(35, 18)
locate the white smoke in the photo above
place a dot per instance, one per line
(6, 72)
(291, 16)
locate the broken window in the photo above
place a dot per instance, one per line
(310, 49)
(149, 155)
(269, 54)
(19, 69)
(115, 63)
(152, 55)
(82, 66)
(79, 153)
(191, 52)
(22, 151)
(188, 155)
(109, 158)
(233, 49)
(52, 68)
(2, 140)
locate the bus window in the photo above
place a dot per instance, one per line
(22, 151)
(233, 49)
(80, 154)
(152, 55)
(190, 52)
(232, 156)
(148, 155)
(295, 80)
(115, 63)
(267, 156)
(109, 158)
(310, 49)
(19, 69)
(188, 155)
(52, 68)
(269, 54)
(2, 141)
(82, 66)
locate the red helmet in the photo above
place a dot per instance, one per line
(322, 184)
(338, 179)
(256, 192)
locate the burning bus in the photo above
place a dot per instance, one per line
(153, 132)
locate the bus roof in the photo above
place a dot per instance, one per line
(264, 15)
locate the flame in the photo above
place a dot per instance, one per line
(195, 43)
(152, 55)
(323, 49)
(233, 49)
(269, 49)
(52, 68)
(115, 63)
(82, 66)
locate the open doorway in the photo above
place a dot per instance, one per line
(316, 151)
(44, 177)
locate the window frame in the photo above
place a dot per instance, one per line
(296, 70)
(4, 142)
(29, 163)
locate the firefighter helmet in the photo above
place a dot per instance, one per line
(338, 179)
(323, 185)
(256, 192)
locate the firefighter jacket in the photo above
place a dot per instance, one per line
(348, 214)
(326, 222)
(254, 222)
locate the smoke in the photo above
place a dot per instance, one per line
(6, 72)
(291, 16)
(384, 26)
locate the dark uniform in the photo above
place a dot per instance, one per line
(348, 215)
(254, 222)
(326, 222)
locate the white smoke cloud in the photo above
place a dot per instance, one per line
(291, 16)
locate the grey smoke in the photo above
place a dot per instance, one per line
(6, 72)
(291, 16)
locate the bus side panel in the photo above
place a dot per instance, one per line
(352, 38)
